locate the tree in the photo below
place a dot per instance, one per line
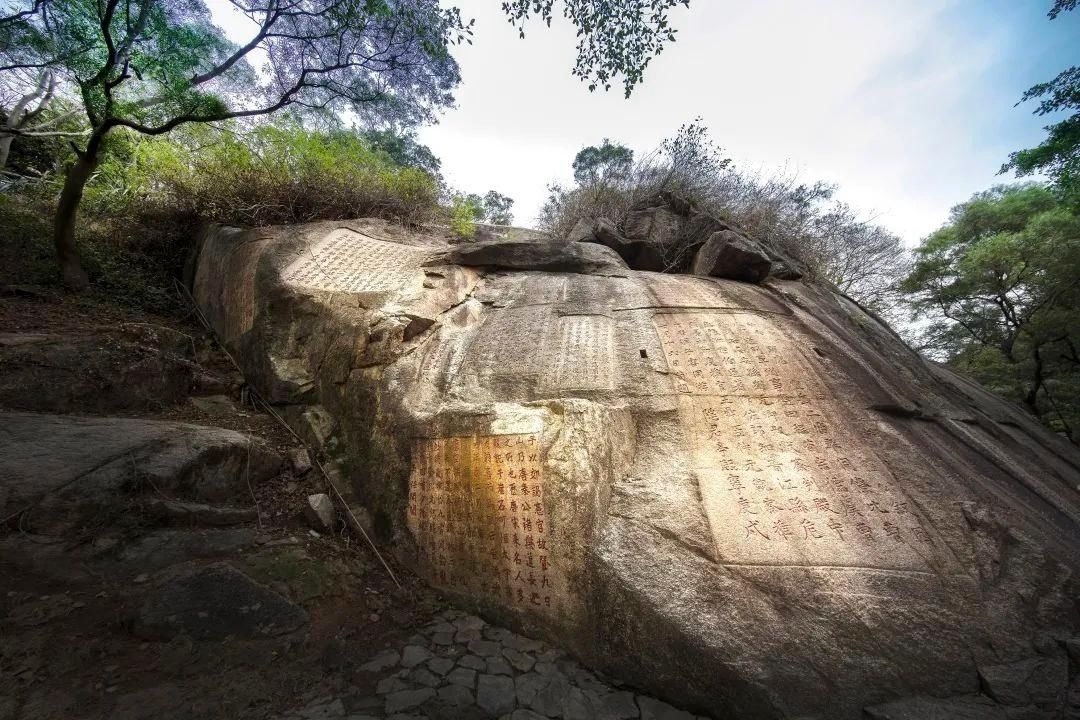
(1058, 156)
(615, 38)
(998, 285)
(29, 113)
(594, 164)
(404, 151)
(149, 66)
(494, 207)
(863, 259)
(498, 208)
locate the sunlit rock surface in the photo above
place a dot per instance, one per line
(748, 499)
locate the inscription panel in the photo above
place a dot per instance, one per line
(586, 356)
(533, 347)
(713, 353)
(784, 481)
(513, 343)
(346, 261)
(477, 510)
(785, 477)
(675, 291)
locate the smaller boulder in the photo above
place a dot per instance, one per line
(320, 512)
(606, 233)
(582, 231)
(727, 254)
(300, 461)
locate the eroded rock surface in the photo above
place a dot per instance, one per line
(66, 472)
(749, 500)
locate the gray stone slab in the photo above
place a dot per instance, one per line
(440, 665)
(383, 661)
(407, 699)
(495, 694)
(413, 655)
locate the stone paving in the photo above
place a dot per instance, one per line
(459, 667)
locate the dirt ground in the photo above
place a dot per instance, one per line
(67, 649)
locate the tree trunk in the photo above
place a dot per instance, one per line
(67, 209)
(1032, 397)
(5, 149)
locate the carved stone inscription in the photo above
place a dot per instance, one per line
(513, 343)
(477, 510)
(714, 353)
(346, 261)
(586, 358)
(532, 346)
(785, 478)
(674, 291)
(784, 481)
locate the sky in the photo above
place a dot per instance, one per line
(907, 106)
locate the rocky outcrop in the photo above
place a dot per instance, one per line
(545, 255)
(752, 500)
(728, 254)
(66, 472)
(213, 603)
(669, 233)
(130, 367)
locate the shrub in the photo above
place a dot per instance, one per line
(276, 175)
(465, 210)
(142, 206)
(801, 220)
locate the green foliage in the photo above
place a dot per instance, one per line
(615, 39)
(497, 208)
(609, 161)
(144, 202)
(151, 66)
(465, 211)
(404, 151)
(273, 174)
(133, 259)
(1058, 156)
(997, 287)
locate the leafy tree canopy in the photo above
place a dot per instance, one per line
(498, 208)
(150, 66)
(998, 284)
(404, 151)
(615, 39)
(1058, 156)
(493, 207)
(608, 161)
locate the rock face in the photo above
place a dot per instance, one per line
(216, 602)
(750, 500)
(72, 472)
(727, 254)
(133, 367)
(668, 233)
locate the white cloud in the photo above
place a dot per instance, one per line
(896, 102)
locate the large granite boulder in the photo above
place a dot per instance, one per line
(752, 500)
(65, 473)
(728, 254)
(127, 367)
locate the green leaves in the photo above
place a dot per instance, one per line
(1058, 156)
(616, 38)
(999, 287)
(607, 162)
